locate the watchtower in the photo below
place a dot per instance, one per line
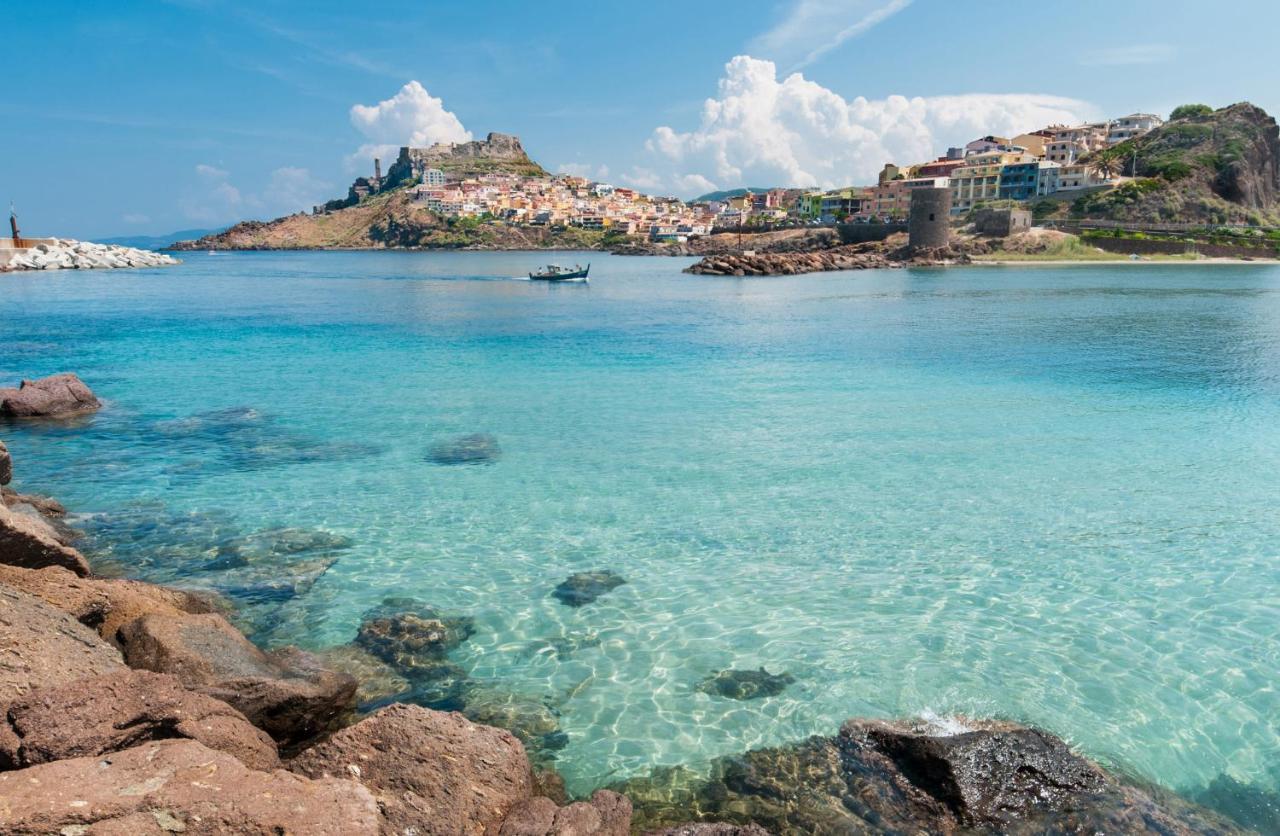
(929, 226)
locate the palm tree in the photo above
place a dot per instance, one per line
(1105, 165)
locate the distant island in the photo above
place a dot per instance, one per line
(1202, 168)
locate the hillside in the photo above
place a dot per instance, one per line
(387, 220)
(725, 194)
(1214, 167)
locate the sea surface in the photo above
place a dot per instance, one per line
(1039, 493)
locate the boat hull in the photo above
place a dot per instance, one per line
(576, 275)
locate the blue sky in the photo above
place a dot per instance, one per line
(148, 117)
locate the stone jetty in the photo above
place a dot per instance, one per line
(867, 256)
(67, 254)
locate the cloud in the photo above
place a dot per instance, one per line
(1124, 56)
(585, 170)
(641, 178)
(410, 117)
(815, 27)
(212, 198)
(694, 184)
(792, 131)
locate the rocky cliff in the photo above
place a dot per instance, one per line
(496, 153)
(1215, 168)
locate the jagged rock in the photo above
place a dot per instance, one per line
(477, 448)
(178, 786)
(582, 588)
(745, 685)
(50, 397)
(6, 465)
(30, 542)
(83, 255)
(606, 814)
(101, 603)
(121, 709)
(873, 777)
(410, 635)
(41, 646)
(287, 694)
(434, 774)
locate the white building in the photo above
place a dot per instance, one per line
(433, 177)
(1135, 124)
(1047, 181)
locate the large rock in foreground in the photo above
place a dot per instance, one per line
(6, 465)
(178, 787)
(104, 604)
(119, 710)
(32, 543)
(56, 396)
(606, 814)
(876, 777)
(41, 646)
(286, 694)
(434, 774)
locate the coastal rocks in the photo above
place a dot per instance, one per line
(851, 257)
(536, 724)
(178, 786)
(582, 588)
(30, 542)
(745, 685)
(606, 814)
(41, 646)
(57, 396)
(987, 777)
(6, 465)
(433, 773)
(377, 682)
(121, 709)
(100, 603)
(476, 448)
(68, 254)
(711, 829)
(287, 694)
(410, 635)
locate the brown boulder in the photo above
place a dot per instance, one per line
(31, 542)
(177, 786)
(121, 709)
(287, 694)
(606, 814)
(6, 465)
(435, 772)
(49, 397)
(41, 645)
(102, 603)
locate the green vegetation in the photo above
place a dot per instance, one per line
(1067, 248)
(1190, 111)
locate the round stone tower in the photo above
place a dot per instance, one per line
(929, 227)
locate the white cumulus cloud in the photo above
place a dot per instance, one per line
(760, 129)
(410, 117)
(813, 28)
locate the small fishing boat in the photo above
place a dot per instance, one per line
(556, 273)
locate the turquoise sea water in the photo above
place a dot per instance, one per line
(1047, 494)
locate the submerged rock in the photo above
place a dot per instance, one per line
(434, 774)
(50, 397)
(477, 448)
(745, 685)
(582, 588)
(411, 635)
(914, 778)
(377, 682)
(535, 723)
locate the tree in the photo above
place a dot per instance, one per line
(1105, 165)
(1190, 111)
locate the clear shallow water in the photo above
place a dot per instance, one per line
(1039, 493)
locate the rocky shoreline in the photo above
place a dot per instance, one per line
(67, 254)
(127, 707)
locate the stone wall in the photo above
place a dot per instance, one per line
(1130, 246)
(1001, 223)
(863, 233)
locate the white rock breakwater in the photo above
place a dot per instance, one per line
(66, 254)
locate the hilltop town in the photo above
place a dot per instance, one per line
(1200, 166)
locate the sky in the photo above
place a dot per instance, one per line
(134, 118)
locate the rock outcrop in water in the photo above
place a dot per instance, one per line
(745, 685)
(878, 777)
(57, 396)
(476, 448)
